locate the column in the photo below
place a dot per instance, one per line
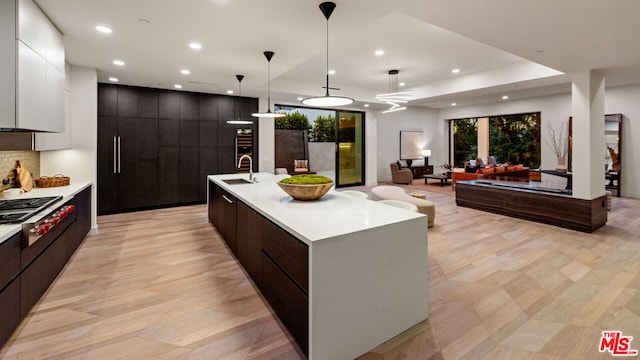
(483, 138)
(587, 107)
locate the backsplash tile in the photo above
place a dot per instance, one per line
(30, 160)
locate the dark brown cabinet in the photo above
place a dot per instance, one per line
(222, 213)
(9, 286)
(249, 241)
(290, 304)
(276, 261)
(26, 273)
(127, 163)
(42, 261)
(9, 260)
(9, 309)
(178, 138)
(419, 171)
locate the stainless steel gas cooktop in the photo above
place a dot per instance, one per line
(15, 211)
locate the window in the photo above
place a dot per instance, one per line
(511, 138)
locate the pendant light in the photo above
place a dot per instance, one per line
(327, 100)
(239, 121)
(393, 97)
(268, 114)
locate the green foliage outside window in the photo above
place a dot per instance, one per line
(465, 140)
(293, 121)
(512, 138)
(324, 129)
(516, 139)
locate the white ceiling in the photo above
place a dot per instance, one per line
(501, 46)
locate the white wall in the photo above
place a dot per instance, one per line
(413, 119)
(80, 161)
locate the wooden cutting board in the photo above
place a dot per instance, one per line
(24, 177)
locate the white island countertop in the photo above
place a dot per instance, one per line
(332, 215)
(67, 192)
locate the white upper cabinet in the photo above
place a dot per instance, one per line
(32, 63)
(32, 26)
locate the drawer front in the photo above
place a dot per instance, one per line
(289, 253)
(9, 259)
(286, 299)
(249, 241)
(9, 310)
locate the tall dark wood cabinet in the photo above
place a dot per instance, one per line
(179, 141)
(156, 147)
(127, 155)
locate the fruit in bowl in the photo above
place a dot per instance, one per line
(306, 187)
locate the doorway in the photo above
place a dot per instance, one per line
(335, 141)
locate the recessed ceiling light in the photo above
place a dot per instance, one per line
(195, 46)
(455, 71)
(401, 84)
(300, 98)
(366, 105)
(453, 104)
(114, 79)
(229, 92)
(505, 97)
(103, 29)
(332, 72)
(177, 86)
(379, 52)
(118, 62)
(185, 72)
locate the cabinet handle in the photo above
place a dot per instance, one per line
(119, 154)
(228, 200)
(115, 156)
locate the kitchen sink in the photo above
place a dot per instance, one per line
(237, 181)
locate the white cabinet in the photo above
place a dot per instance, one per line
(32, 26)
(33, 74)
(31, 87)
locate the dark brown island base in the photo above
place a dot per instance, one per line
(549, 206)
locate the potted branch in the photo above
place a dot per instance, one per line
(558, 141)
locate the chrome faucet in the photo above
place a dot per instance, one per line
(250, 165)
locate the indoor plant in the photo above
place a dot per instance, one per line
(306, 187)
(558, 142)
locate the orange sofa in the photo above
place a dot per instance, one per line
(507, 173)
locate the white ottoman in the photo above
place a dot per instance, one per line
(387, 192)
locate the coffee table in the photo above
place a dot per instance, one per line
(444, 178)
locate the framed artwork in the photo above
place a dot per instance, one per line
(411, 143)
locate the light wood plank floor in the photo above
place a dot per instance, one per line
(162, 285)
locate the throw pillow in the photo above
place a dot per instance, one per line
(399, 164)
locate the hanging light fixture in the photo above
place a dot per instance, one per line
(268, 113)
(239, 121)
(393, 97)
(327, 100)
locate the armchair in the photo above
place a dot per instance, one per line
(400, 176)
(300, 166)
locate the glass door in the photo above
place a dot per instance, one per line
(350, 148)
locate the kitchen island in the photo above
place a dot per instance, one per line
(343, 274)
